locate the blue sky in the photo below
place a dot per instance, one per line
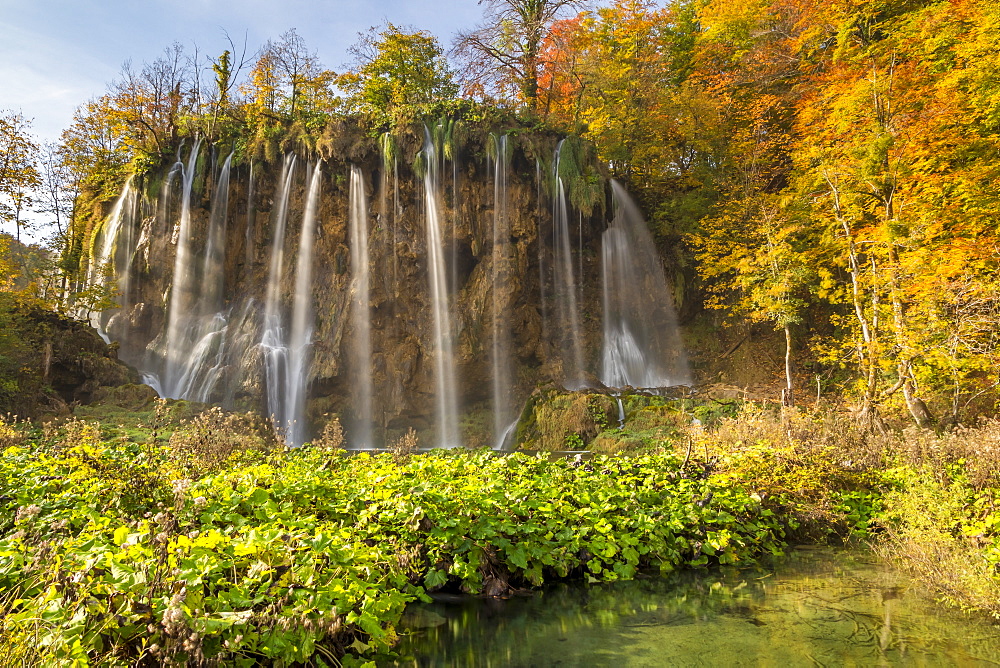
(57, 54)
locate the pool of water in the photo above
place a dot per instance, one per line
(814, 607)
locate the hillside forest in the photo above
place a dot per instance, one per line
(825, 169)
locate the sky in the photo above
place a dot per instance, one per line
(57, 54)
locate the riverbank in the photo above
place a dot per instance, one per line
(820, 605)
(129, 545)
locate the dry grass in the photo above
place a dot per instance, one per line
(12, 432)
(209, 440)
(404, 446)
(952, 567)
(331, 438)
(944, 533)
(976, 448)
(940, 517)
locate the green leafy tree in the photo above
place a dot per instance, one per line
(395, 67)
(223, 101)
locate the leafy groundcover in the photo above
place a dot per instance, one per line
(112, 552)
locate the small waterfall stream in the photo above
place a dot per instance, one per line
(444, 364)
(196, 333)
(500, 265)
(116, 247)
(300, 342)
(180, 298)
(567, 308)
(272, 342)
(360, 314)
(110, 232)
(642, 345)
(208, 323)
(214, 262)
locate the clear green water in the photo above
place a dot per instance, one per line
(815, 607)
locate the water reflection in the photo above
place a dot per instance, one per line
(815, 607)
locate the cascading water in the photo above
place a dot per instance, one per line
(196, 334)
(180, 339)
(238, 328)
(542, 301)
(213, 264)
(642, 344)
(109, 235)
(444, 364)
(272, 341)
(385, 221)
(116, 247)
(499, 314)
(565, 287)
(248, 235)
(361, 345)
(300, 343)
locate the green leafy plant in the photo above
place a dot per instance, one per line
(307, 555)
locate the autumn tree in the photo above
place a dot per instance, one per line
(888, 158)
(288, 93)
(300, 80)
(502, 58)
(762, 261)
(613, 73)
(96, 139)
(148, 103)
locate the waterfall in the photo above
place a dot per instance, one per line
(116, 247)
(300, 343)
(500, 312)
(361, 345)
(126, 245)
(444, 364)
(248, 234)
(203, 359)
(456, 209)
(542, 302)
(197, 323)
(567, 310)
(642, 344)
(214, 263)
(272, 341)
(180, 289)
(265, 307)
(395, 221)
(109, 235)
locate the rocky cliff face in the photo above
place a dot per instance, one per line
(50, 362)
(403, 348)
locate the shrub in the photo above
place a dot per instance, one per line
(213, 437)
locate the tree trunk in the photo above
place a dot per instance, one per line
(47, 362)
(918, 409)
(788, 397)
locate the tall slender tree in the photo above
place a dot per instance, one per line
(18, 172)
